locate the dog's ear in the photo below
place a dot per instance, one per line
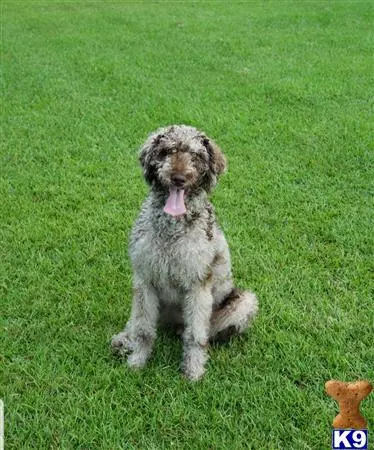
(217, 160)
(217, 163)
(146, 154)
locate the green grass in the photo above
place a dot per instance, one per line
(286, 89)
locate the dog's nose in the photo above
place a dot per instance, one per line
(178, 179)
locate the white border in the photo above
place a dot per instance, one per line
(1, 425)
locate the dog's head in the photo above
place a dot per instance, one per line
(183, 157)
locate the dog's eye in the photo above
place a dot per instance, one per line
(162, 153)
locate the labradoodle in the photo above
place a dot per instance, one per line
(180, 257)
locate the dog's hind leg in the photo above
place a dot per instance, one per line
(233, 315)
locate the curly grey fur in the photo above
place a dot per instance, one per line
(182, 268)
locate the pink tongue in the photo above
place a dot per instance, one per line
(175, 203)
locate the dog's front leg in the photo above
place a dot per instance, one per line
(140, 331)
(197, 313)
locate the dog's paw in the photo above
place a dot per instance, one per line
(121, 344)
(193, 365)
(137, 360)
(194, 374)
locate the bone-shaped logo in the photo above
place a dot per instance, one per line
(349, 397)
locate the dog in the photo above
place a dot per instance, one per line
(180, 257)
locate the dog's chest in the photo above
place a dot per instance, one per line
(173, 256)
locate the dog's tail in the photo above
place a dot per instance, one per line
(233, 315)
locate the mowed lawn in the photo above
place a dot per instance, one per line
(286, 89)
